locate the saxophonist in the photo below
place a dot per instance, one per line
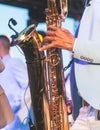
(85, 48)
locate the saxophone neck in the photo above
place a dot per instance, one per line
(56, 12)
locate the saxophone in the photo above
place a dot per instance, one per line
(45, 70)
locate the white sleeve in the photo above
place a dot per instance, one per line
(24, 111)
(20, 73)
(87, 45)
(88, 52)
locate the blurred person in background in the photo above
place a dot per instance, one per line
(14, 80)
(6, 113)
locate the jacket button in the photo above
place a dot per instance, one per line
(81, 57)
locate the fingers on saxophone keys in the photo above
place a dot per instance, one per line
(51, 33)
(51, 27)
(48, 40)
(45, 47)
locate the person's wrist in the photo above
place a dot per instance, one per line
(71, 45)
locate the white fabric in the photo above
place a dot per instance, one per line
(67, 88)
(6, 114)
(14, 80)
(88, 123)
(86, 120)
(87, 48)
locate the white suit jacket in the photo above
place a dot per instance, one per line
(87, 48)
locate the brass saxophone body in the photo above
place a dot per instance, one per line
(45, 70)
(55, 15)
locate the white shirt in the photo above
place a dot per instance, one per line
(14, 80)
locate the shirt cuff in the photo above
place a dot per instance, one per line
(74, 45)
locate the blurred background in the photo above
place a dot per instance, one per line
(27, 12)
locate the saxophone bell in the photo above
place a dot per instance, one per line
(19, 37)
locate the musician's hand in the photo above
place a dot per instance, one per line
(69, 109)
(59, 38)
